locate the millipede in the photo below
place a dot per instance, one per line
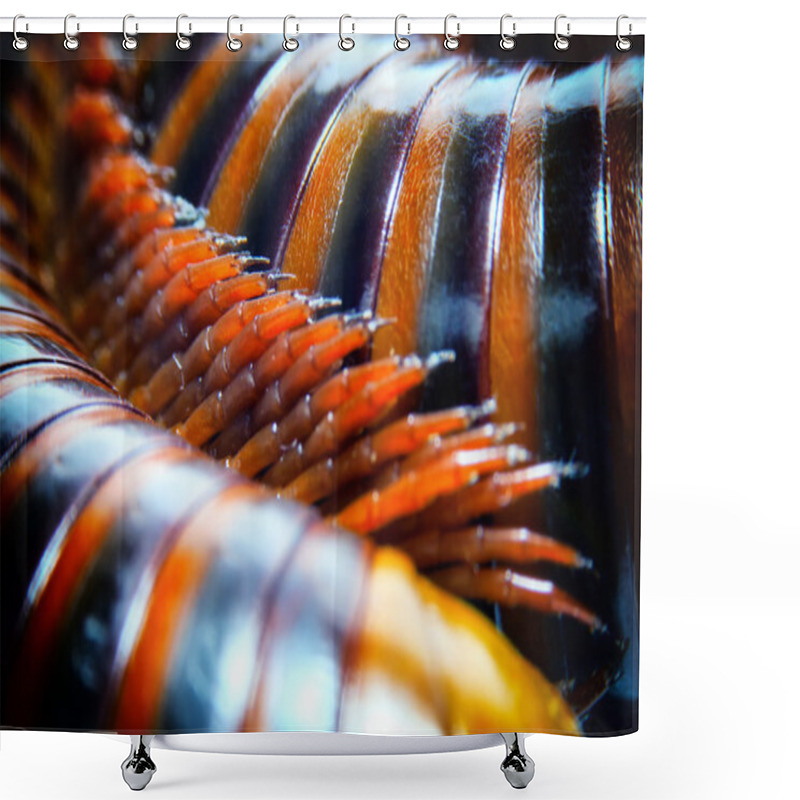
(319, 387)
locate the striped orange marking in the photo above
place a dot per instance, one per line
(204, 83)
(308, 245)
(24, 468)
(171, 599)
(78, 552)
(243, 167)
(513, 331)
(19, 378)
(409, 248)
(14, 322)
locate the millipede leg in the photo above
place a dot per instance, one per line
(138, 768)
(517, 766)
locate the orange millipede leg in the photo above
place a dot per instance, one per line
(209, 307)
(474, 439)
(175, 374)
(282, 379)
(494, 493)
(347, 420)
(185, 287)
(372, 451)
(418, 489)
(89, 307)
(218, 410)
(242, 349)
(116, 174)
(263, 448)
(479, 545)
(513, 589)
(181, 290)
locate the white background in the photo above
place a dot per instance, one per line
(720, 715)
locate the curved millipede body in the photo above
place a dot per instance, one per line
(153, 589)
(351, 297)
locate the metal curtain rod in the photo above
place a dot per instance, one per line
(585, 26)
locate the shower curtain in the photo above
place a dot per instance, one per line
(320, 385)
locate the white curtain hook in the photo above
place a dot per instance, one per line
(182, 42)
(20, 42)
(507, 42)
(623, 43)
(401, 42)
(233, 44)
(346, 42)
(451, 42)
(71, 42)
(561, 42)
(289, 44)
(129, 42)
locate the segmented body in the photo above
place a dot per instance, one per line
(248, 366)
(147, 588)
